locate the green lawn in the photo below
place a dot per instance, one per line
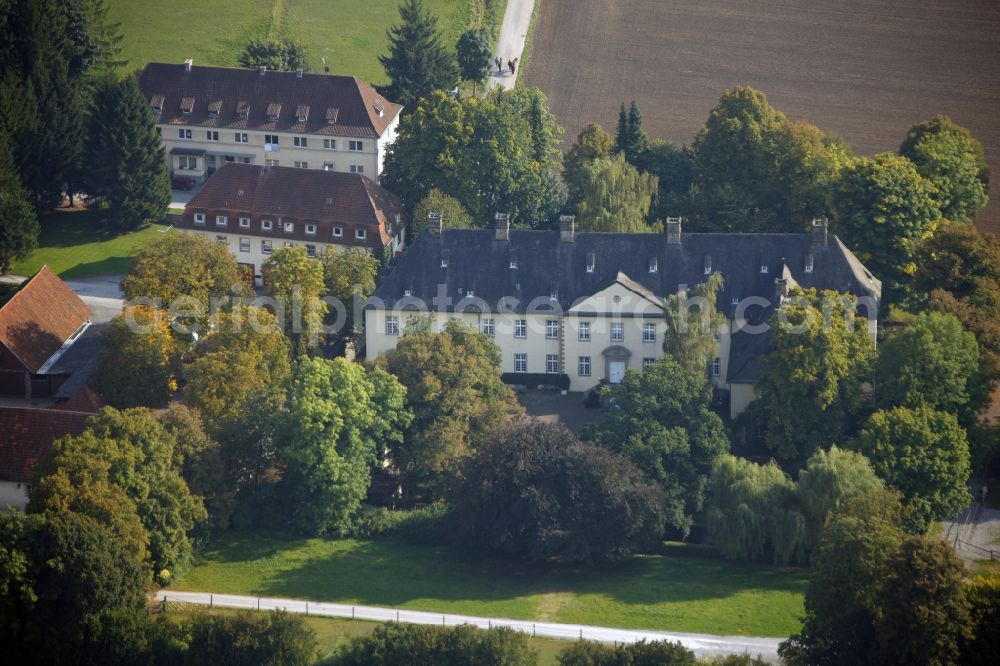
(351, 34)
(74, 244)
(687, 589)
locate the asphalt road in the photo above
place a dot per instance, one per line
(510, 44)
(865, 69)
(703, 645)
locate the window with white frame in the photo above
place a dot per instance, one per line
(338, 232)
(583, 366)
(272, 162)
(289, 244)
(311, 229)
(183, 133)
(715, 367)
(584, 331)
(360, 233)
(199, 218)
(221, 220)
(392, 325)
(649, 332)
(271, 139)
(551, 329)
(763, 268)
(185, 162)
(289, 227)
(520, 328)
(617, 331)
(244, 223)
(265, 225)
(552, 364)
(241, 137)
(266, 247)
(300, 142)
(310, 249)
(329, 144)
(301, 165)
(520, 362)
(647, 363)
(356, 146)
(212, 135)
(490, 327)
(244, 245)
(357, 168)
(329, 166)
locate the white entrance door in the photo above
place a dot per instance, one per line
(616, 372)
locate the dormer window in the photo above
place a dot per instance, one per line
(338, 232)
(273, 111)
(361, 234)
(653, 264)
(243, 110)
(444, 258)
(214, 108)
(708, 264)
(591, 262)
(331, 115)
(407, 292)
(379, 108)
(763, 268)
(302, 113)
(809, 263)
(265, 225)
(156, 102)
(735, 301)
(513, 262)
(470, 293)
(311, 229)
(553, 295)
(289, 227)
(187, 105)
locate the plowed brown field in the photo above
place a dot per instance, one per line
(865, 69)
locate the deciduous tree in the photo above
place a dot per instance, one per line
(591, 143)
(296, 281)
(661, 421)
(534, 491)
(883, 209)
(337, 422)
(350, 278)
(948, 156)
(453, 387)
(475, 55)
(614, 196)
(810, 388)
(692, 320)
(925, 455)
(453, 214)
(139, 365)
(393, 643)
(752, 512)
(935, 363)
(829, 480)
(281, 55)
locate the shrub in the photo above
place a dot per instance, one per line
(535, 379)
(272, 639)
(415, 645)
(662, 653)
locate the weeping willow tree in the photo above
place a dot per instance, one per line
(753, 512)
(615, 196)
(692, 321)
(828, 481)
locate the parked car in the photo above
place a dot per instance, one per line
(182, 183)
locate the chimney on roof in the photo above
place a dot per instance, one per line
(263, 70)
(502, 226)
(567, 227)
(819, 232)
(673, 231)
(434, 224)
(298, 73)
(188, 64)
(781, 289)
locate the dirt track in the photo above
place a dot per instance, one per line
(866, 69)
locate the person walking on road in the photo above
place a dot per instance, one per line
(510, 66)
(499, 63)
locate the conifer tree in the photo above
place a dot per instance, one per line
(18, 223)
(128, 170)
(417, 63)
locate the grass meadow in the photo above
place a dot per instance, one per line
(349, 34)
(75, 244)
(687, 588)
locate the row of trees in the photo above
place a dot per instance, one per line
(750, 169)
(69, 124)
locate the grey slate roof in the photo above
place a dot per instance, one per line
(80, 361)
(478, 261)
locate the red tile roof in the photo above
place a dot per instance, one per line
(40, 317)
(326, 198)
(85, 400)
(26, 436)
(355, 104)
